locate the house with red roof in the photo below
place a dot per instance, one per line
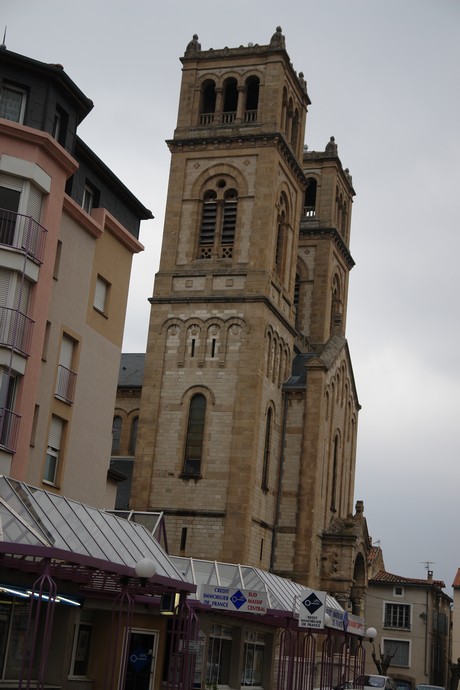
(412, 617)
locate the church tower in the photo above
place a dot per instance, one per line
(252, 282)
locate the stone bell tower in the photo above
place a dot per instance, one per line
(223, 318)
(247, 428)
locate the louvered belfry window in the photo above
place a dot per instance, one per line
(218, 222)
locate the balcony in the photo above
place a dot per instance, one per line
(9, 429)
(15, 330)
(65, 385)
(22, 233)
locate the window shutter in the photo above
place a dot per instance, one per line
(4, 286)
(55, 433)
(100, 294)
(11, 182)
(65, 357)
(34, 203)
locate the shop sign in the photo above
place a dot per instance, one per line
(312, 609)
(234, 599)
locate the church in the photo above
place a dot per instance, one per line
(246, 437)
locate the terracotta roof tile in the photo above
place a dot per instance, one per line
(383, 576)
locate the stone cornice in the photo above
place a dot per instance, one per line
(222, 140)
(331, 234)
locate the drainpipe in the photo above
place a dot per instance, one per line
(280, 481)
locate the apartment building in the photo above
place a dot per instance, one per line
(68, 231)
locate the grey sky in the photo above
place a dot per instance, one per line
(383, 77)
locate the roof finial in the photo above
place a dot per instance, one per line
(4, 39)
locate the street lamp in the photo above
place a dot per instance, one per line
(371, 633)
(145, 569)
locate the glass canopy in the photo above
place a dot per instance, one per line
(31, 516)
(282, 594)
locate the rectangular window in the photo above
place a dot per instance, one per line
(12, 103)
(53, 450)
(90, 198)
(398, 591)
(9, 204)
(254, 650)
(57, 260)
(219, 655)
(60, 125)
(66, 376)
(101, 295)
(82, 644)
(397, 616)
(400, 649)
(34, 425)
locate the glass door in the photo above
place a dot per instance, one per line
(141, 659)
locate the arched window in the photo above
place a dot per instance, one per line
(133, 436)
(208, 224)
(335, 463)
(116, 434)
(281, 238)
(218, 222)
(266, 463)
(252, 99)
(296, 298)
(195, 436)
(208, 102)
(310, 198)
(336, 308)
(230, 101)
(295, 132)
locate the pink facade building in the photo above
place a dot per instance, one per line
(68, 232)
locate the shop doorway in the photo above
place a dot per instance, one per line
(141, 650)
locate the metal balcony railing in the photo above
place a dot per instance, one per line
(16, 330)
(9, 429)
(23, 233)
(65, 385)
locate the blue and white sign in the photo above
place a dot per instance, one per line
(234, 599)
(312, 609)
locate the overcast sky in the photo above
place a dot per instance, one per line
(383, 77)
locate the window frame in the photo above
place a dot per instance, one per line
(7, 86)
(254, 642)
(218, 220)
(220, 638)
(393, 610)
(398, 642)
(194, 443)
(54, 451)
(101, 295)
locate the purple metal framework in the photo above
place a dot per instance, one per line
(185, 629)
(42, 600)
(339, 655)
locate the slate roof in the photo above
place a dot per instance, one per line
(131, 373)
